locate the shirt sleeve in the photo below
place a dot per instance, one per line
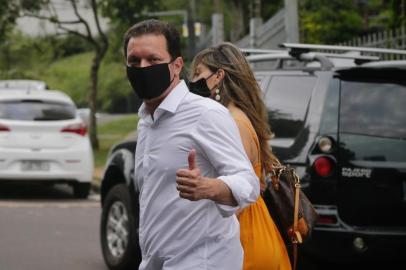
(218, 136)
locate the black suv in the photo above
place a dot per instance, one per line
(342, 126)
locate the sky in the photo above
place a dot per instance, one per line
(37, 27)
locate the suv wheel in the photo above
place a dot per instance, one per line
(119, 237)
(81, 190)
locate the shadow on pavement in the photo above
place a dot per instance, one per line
(35, 191)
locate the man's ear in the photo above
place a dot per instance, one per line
(178, 64)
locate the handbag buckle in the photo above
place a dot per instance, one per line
(297, 238)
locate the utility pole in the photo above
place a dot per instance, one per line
(256, 10)
(217, 20)
(191, 15)
(255, 22)
(292, 21)
(217, 7)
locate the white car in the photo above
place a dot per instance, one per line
(42, 138)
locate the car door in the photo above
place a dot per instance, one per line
(372, 148)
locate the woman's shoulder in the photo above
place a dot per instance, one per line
(239, 116)
(243, 122)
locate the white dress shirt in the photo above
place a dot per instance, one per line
(176, 233)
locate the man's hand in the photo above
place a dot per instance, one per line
(190, 183)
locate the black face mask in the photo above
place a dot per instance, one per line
(149, 82)
(200, 87)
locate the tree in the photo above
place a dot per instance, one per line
(329, 21)
(99, 42)
(10, 11)
(334, 21)
(123, 14)
(8, 14)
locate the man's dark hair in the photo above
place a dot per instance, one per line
(153, 26)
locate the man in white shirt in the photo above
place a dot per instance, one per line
(191, 169)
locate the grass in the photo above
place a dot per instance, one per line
(111, 133)
(72, 76)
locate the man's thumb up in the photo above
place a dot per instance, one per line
(192, 159)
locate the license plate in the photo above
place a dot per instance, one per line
(34, 165)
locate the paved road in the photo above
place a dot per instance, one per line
(45, 228)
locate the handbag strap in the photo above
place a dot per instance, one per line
(277, 170)
(297, 237)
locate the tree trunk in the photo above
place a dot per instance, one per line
(92, 97)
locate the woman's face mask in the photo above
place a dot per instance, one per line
(200, 87)
(149, 82)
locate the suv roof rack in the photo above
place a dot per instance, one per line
(306, 52)
(262, 55)
(310, 47)
(260, 51)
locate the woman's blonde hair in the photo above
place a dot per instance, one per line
(240, 87)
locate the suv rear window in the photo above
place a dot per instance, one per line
(36, 110)
(287, 99)
(373, 109)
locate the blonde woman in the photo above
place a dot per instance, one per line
(222, 73)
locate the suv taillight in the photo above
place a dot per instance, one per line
(4, 128)
(323, 166)
(79, 129)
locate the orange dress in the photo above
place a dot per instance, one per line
(264, 248)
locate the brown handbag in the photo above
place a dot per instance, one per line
(291, 210)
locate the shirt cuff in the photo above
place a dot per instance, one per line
(243, 192)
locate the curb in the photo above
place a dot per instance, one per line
(95, 187)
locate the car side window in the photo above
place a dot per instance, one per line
(287, 99)
(373, 109)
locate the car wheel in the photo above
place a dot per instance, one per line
(118, 232)
(81, 190)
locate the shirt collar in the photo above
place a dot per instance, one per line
(171, 101)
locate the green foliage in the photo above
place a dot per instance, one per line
(70, 45)
(397, 13)
(328, 21)
(385, 14)
(34, 53)
(8, 14)
(11, 9)
(71, 75)
(21, 53)
(124, 12)
(334, 21)
(64, 63)
(270, 8)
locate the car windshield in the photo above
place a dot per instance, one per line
(36, 110)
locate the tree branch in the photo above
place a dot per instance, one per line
(49, 18)
(75, 9)
(96, 18)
